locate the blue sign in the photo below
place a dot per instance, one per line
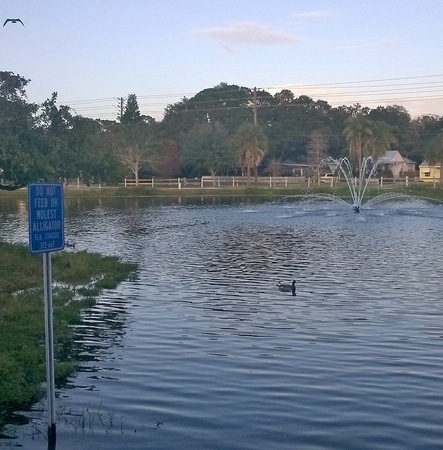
(46, 217)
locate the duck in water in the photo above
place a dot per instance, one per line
(288, 287)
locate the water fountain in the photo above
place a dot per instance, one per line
(357, 185)
(341, 169)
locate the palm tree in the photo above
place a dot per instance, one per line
(250, 145)
(381, 140)
(434, 152)
(358, 133)
(368, 137)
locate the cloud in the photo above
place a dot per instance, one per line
(387, 42)
(384, 43)
(248, 33)
(313, 15)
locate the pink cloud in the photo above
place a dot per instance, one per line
(246, 33)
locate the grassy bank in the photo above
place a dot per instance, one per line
(426, 190)
(80, 276)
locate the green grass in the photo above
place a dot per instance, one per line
(418, 189)
(22, 352)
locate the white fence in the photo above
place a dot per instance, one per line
(209, 182)
(215, 182)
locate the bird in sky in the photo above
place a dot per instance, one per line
(13, 21)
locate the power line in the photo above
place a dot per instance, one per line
(357, 82)
(384, 90)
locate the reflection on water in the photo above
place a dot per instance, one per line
(203, 351)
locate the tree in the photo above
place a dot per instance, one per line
(368, 137)
(170, 162)
(105, 163)
(70, 142)
(55, 119)
(131, 114)
(250, 146)
(19, 159)
(317, 151)
(400, 122)
(206, 149)
(55, 123)
(132, 156)
(226, 104)
(434, 152)
(292, 120)
(84, 155)
(382, 138)
(137, 148)
(423, 129)
(358, 132)
(13, 87)
(284, 96)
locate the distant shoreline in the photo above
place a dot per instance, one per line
(424, 190)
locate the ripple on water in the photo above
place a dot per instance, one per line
(202, 350)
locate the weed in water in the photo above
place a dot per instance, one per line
(22, 341)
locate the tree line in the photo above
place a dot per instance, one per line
(224, 130)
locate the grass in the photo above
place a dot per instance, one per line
(81, 276)
(417, 189)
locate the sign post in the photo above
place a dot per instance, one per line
(46, 217)
(46, 235)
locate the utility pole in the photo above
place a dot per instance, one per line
(255, 106)
(121, 104)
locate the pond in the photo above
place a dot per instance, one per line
(202, 350)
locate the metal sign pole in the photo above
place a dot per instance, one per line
(46, 235)
(49, 340)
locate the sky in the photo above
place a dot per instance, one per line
(94, 52)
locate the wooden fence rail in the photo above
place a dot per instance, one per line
(224, 182)
(215, 182)
(209, 182)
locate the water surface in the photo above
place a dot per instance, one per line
(202, 350)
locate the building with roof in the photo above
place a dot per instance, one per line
(429, 172)
(396, 164)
